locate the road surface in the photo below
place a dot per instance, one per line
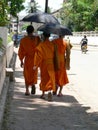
(84, 75)
(76, 110)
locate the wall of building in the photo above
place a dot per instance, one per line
(6, 54)
(3, 34)
(9, 53)
(2, 70)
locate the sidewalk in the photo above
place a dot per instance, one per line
(32, 113)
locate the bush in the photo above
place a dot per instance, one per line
(9, 38)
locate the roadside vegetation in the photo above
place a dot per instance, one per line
(80, 15)
(9, 38)
(9, 8)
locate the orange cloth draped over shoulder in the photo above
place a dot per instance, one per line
(61, 74)
(43, 58)
(26, 53)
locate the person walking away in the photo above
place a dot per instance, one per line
(26, 56)
(61, 77)
(14, 38)
(68, 42)
(44, 54)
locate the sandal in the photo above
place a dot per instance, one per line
(42, 97)
(60, 95)
(27, 94)
(49, 96)
(33, 89)
(54, 93)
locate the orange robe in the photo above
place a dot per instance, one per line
(43, 58)
(61, 74)
(26, 53)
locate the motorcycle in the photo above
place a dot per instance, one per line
(84, 48)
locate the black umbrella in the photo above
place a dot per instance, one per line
(55, 29)
(40, 18)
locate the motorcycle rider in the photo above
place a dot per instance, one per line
(84, 42)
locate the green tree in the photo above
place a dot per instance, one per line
(80, 15)
(3, 13)
(12, 7)
(15, 6)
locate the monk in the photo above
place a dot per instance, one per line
(61, 77)
(26, 56)
(44, 54)
(68, 41)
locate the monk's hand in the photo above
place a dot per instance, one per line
(68, 68)
(34, 67)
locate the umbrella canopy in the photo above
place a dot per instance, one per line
(40, 18)
(55, 29)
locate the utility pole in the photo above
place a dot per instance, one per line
(32, 7)
(46, 6)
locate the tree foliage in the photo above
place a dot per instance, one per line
(12, 7)
(80, 15)
(3, 13)
(15, 6)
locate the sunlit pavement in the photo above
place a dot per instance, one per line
(83, 75)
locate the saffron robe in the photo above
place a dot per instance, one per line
(44, 54)
(26, 53)
(61, 74)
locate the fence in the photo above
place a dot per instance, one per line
(87, 33)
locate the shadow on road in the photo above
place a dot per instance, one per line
(32, 113)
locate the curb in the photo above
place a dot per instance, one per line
(3, 99)
(3, 96)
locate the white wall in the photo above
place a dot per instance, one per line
(3, 35)
(92, 40)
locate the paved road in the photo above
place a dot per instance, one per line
(74, 111)
(83, 75)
